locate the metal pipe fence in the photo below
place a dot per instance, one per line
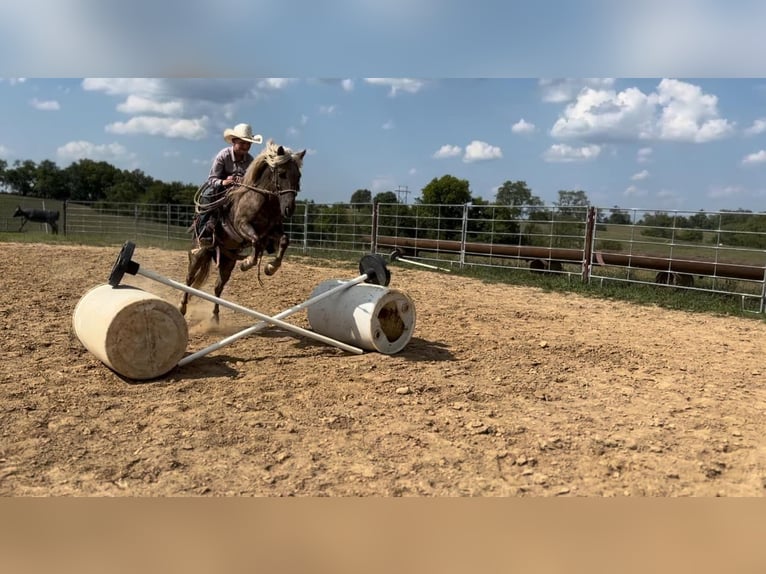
(718, 252)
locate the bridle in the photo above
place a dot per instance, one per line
(277, 192)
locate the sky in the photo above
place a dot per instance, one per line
(648, 105)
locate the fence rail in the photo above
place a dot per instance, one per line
(720, 252)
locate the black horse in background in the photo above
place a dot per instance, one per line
(38, 215)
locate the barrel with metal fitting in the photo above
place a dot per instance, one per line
(372, 317)
(137, 334)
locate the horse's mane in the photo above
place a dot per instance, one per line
(269, 157)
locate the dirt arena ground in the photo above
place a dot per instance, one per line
(502, 391)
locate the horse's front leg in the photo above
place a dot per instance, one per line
(225, 267)
(248, 231)
(276, 263)
(23, 223)
(190, 273)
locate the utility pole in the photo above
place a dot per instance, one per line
(402, 191)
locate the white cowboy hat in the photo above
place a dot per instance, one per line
(242, 132)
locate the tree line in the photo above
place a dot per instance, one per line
(89, 180)
(442, 198)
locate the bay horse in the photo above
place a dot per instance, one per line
(39, 216)
(252, 214)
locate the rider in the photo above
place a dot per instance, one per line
(228, 168)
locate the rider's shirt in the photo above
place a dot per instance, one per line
(225, 164)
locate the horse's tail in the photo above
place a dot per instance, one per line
(203, 270)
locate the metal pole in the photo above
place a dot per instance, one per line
(263, 317)
(263, 324)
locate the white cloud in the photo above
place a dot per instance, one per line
(758, 127)
(293, 131)
(753, 158)
(563, 153)
(560, 90)
(381, 184)
(76, 150)
(670, 198)
(676, 111)
(644, 155)
(275, 83)
(171, 153)
(643, 174)
(327, 110)
(4, 151)
(47, 105)
(448, 151)
(523, 127)
(347, 84)
(688, 114)
(412, 171)
(191, 129)
(304, 119)
(727, 191)
(389, 125)
(143, 105)
(633, 191)
(397, 85)
(481, 151)
(123, 86)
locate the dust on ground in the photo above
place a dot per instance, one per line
(502, 391)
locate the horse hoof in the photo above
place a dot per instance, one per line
(270, 270)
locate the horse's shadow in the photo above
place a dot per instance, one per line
(416, 350)
(218, 365)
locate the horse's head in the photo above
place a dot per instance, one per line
(18, 212)
(288, 180)
(278, 169)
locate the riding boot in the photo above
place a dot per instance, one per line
(206, 235)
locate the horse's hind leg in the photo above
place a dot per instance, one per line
(276, 263)
(54, 228)
(191, 273)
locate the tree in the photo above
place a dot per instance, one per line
(50, 182)
(447, 190)
(618, 216)
(3, 166)
(90, 179)
(516, 193)
(361, 196)
(21, 178)
(570, 198)
(443, 200)
(386, 197)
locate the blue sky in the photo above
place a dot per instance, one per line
(661, 143)
(482, 90)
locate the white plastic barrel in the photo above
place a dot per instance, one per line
(135, 333)
(371, 317)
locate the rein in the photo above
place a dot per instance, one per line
(264, 191)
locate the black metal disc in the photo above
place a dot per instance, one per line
(374, 266)
(395, 254)
(123, 264)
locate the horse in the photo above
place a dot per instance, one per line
(39, 216)
(252, 214)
